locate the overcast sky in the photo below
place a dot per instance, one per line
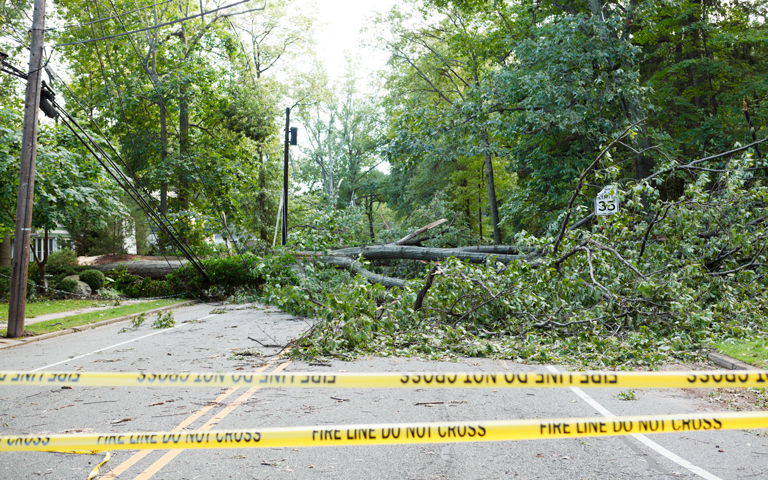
(339, 30)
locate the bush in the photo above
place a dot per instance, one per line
(94, 278)
(110, 293)
(61, 261)
(67, 285)
(133, 286)
(5, 280)
(234, 273)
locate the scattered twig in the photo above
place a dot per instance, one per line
(723, 255)
(312, 300)
(266, 345)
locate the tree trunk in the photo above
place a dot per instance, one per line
(392, 252)
(163, 138)
(156, 269)
(491, 188)
(357, 267)
(183, 191)
(369, 214)
(41, 263)
(261, 203)
(5, 251)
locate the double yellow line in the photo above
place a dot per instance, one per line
(171, 454)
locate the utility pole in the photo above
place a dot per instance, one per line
(18, 300)
(284, 236)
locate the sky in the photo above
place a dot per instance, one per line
(339, 30)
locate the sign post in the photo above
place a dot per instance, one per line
(607, 201)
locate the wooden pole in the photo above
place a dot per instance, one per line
(24, 202)
(284, 237)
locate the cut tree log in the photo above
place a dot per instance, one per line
(155, 269)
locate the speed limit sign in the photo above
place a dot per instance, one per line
(607, 201)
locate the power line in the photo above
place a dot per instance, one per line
(76, 25)
(160, 97)
(125, 183)
(116, 173)
(157, 26)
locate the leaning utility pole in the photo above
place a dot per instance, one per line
(18, 301)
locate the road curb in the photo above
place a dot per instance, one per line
(88, 326)
(727, 362)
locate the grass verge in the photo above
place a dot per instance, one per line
(36, 309)
(754, 352)
(92, 317)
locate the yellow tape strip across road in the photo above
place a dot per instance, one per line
(344, 435)
(744, 378)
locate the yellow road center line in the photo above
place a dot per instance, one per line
(166, 459)
(133, 460)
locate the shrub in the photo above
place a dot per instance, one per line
(61, 261)
(110, 293)
(94, 278)
(67, 285)
(233, 273)
(133, 286)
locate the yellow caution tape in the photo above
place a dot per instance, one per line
(744, 378)
(344, 435)
(96, 469)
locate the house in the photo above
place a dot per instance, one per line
(58, 239)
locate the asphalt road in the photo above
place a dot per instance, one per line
(205, 342)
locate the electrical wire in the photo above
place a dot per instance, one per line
(157, 92)
(80, 25)
(164, 221)
(172, 22)
(152, 80)
(125, 183)
(112, 169)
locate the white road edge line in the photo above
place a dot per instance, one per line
(116, 345)
(640, 437)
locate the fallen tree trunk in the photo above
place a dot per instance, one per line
(392, 252)
(504, 250)
(357, 267)
(155, 269)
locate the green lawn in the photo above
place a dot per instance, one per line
(93, 317)
(54, 306)
(754, 352)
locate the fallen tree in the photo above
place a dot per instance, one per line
(155, 269)
(427, 254)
